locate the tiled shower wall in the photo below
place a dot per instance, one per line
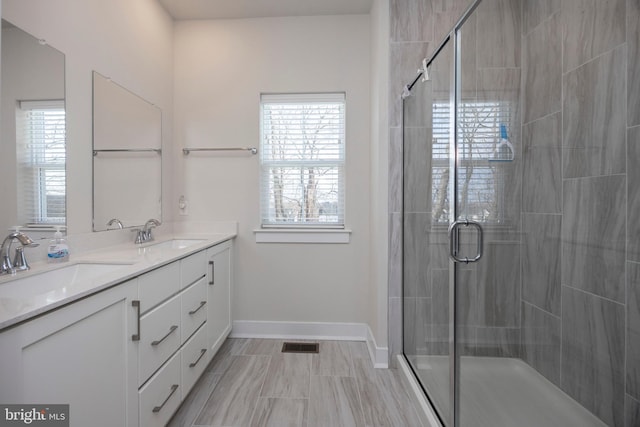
(580, 241)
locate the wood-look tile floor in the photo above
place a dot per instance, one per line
(251, 383)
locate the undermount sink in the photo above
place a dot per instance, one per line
(176, 244)
(60, 279)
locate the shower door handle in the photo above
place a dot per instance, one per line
(454, 244)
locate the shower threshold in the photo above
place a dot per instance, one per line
(501, 392)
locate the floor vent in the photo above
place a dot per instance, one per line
(300, 347)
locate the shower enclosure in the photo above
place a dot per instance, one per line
(514, 229)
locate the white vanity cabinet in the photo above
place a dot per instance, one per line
(128, 355)
(219, 282)
(81, 355)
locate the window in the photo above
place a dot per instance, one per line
(482, 180)
(302, 160)
(40, 136)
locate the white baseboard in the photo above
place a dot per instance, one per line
(313, 331)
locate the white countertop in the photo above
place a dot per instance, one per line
(135, 260)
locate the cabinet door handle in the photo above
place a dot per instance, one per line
(202, 303)
(136, 304)
(173, 390)
(202, 352)
(173, 328)
(213, 272)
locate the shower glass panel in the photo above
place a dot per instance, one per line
(483, 351)
(428, 137)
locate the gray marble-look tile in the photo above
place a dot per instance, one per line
(374, 413)
(334, 401)
(395, 170)
(257, 346)
(467, 298)
(278, 412)
(333, 359)
(542, 168)
(417, 325)
(395, 329)
(288, 376)
(416, 108)
(499, 28)
(633, 330)
(594, 235)
(411, 20)
(446, 15)
(591, 27)
(416, 248)
(191, 406)
(541, 274)
(417, 169)
(234, 398)
(397, 401)
(633, 63)
(594, 117)
(535, 12)
(632, 412)
(222, 359)
(497, 342)
(540, 341)
(633, 193)
(593, 353)
(395, 255)
(542, 70)
(499, 285)
(405, 59)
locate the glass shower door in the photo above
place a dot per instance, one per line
(428, 211)
(488, 192)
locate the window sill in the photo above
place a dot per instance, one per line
(281, 235)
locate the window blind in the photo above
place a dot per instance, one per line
(41, 152)
(481, 183)
(302, 160)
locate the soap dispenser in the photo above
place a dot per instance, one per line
(58, 250)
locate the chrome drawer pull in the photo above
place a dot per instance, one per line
(173, 328)
(213, 272)
(202, 303)
(173, 390)
(202, 352)
(136, 304)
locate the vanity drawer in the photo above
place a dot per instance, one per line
(158, 285)
(161, 396)
(194, 310)
(159, 337)
(194, 358)
(192, 268)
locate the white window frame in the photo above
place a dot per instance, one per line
(294, 228)
(36, 160)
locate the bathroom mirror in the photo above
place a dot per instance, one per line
(32, 164)
(127, 157)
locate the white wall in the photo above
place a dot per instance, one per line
(129, 41)
(221, 67)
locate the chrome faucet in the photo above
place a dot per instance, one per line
(115, 221)
(20, 261)
(145, 234)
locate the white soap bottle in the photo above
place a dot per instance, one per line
(58, 250)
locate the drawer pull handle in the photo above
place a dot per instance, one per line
(136, 305)
(173, 328)
(202, 352)
(213, 272)
(173, 390)
(202, 303)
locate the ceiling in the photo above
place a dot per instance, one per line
(238, 9)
